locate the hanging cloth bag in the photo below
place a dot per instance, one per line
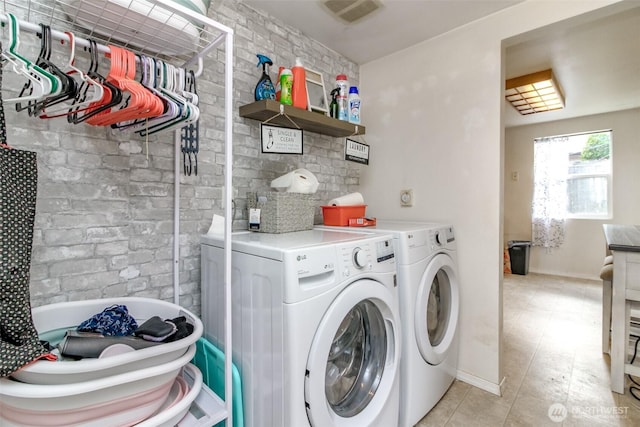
(19, 343)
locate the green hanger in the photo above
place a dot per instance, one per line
(51, 84)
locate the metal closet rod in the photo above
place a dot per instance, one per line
(59, 35)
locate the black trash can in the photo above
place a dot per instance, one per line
(519, 255)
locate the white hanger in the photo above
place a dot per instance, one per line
(93, 88)
(189, 112)
(150, 78)
(42, 82)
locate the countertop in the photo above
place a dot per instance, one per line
(622, 237)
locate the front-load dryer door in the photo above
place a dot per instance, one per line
(437, 307)
(354, 358)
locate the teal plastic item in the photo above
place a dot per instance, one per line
(264, 88)
(210, 360)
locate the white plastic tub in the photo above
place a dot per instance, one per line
(119, 18)
(54, 319)
(207, 408)
(118, 400)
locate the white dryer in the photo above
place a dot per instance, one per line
(429, 305)
(316, 326)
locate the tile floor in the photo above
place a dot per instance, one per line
(552, 355)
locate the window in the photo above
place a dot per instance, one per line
(572, 179)
(587, 175)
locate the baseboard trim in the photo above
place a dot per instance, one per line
(572, 275)
(481, 383)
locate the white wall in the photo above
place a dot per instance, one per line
(581, 254)
(433, 117)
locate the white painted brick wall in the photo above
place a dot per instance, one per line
(104, 224)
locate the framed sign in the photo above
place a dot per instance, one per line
(277, 139)
(317, 96)
(355, 151)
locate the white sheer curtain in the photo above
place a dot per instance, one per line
(551, 162)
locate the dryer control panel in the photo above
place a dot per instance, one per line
(442, 238)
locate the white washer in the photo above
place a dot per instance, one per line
(429, 304)
(316, 326)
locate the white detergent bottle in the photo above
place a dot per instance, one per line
(354, 105)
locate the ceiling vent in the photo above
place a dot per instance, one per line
(351, 11)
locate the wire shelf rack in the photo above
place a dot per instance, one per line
(159, 28)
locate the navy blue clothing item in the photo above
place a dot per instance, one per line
(112, 321)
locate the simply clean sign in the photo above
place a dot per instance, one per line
(276, 139)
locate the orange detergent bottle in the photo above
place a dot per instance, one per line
(299, 90)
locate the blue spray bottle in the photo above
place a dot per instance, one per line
(264, 88)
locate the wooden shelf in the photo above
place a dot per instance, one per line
(307, 120)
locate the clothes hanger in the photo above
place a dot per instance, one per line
(44, 83)
(148, 79)
(87, 92)
(49, 81)
(104, 108)
(44, 64)
(140, 103)
(112, 96)
(68, 86)
(189, 112)
(134, 102)
(190, 134)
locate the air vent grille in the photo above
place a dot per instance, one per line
(337, 6)
(352, 10)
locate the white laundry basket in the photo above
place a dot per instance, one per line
(117, 400)
(51, 322)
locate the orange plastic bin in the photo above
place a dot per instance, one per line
(340, 215)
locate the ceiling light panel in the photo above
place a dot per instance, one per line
(534, 93)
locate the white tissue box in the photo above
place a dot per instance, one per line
(276, 212)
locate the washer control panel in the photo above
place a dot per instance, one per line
(374, 254)
(321, 265)
(360, 257)
(319, 268)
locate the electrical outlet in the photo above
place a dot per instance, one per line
(406, 198)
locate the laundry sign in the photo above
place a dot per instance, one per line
(356, 152)
(276, 139)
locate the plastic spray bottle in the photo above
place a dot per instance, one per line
(333, 107)
(264, 88)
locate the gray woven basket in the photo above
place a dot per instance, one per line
(282, 212)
